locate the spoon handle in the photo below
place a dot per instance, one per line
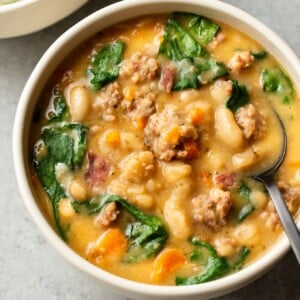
(284, 216)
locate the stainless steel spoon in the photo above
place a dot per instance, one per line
(267, 178)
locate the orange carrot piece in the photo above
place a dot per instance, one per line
(196, 116)
(111, 243)
(141, 122)
(169, 260)
(113, 137)
(129, 93)
(172, 136)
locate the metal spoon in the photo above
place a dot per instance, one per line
(267, 178)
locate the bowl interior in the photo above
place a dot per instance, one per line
(55, 55)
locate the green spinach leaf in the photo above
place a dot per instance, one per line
(147, 234)
(200, 28)
(276, 81)
(182, 45)
(244, 191)
(62, 143)
(260, 54)
(105, 65)
(177, 43)
(238, 264)
(209, 69)
(215, 267)
(238, 98)
(58, 110)
(188, 75)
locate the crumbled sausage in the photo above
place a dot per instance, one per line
(139, 68)
(291, 196)
(108, 100)
(225, 245)
(212, 210)
(167, 78)
(250, 121)
(270, 216)
(108, 214)
(240, 60)
(98, 169)
(170, 136)
(272, 221)
(225, 181)
(142, 106)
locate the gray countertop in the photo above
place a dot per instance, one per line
(29, 267)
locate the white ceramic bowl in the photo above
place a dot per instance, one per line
(27, 16)
(58, 51)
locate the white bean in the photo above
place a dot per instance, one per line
(244, 159)
(177, 219)
(227, 129)
(259, 198)
(144, 201)
(78, 190)
(137, 166)
(221, 91)
(188, 96)
(80, 103)
(66, 211)
(176, 170)
(131, 142)
(247, 234)
(182, 188)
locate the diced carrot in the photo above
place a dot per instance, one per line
(113, 137)
(141, 122)
(206, 178)
(196, 116)
(111, 243)
(173, 135)
(169, 260)
(192, 149)
(129, 93)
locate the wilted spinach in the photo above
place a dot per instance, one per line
(238, 98)
(185, 37)
(105, 65)
(147, 234)
(244, 191)
(61, 142)
(200, 28)
(260, 54)
(215, 267)
(276, 81)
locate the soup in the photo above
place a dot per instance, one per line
(141, 142)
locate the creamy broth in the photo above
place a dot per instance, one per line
(177, 154)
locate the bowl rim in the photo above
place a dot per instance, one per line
(16, 18)
(16, 5)
(225, 284)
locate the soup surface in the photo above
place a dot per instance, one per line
(141, 142)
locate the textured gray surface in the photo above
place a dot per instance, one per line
(29, 267)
